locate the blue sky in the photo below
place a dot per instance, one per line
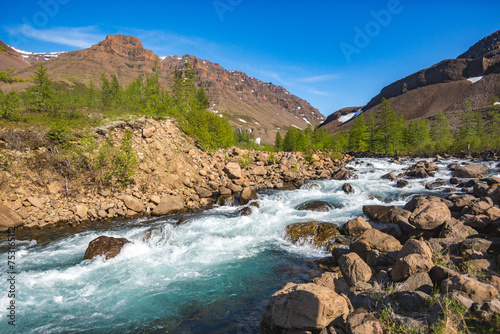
(331, 53)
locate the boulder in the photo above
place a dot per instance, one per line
(203, 192)
(419, 282)
(259, 170)
(439, 273)
(169, 204)
(472, 288)
(413, 246)
(319, 234)
(354, 269)
(379, 212)
(35, 201)
(363, 322)
(389, 176)
(470, 171)
(410, 265)
(248, 194)
(132, 203)
(347, 188)
(344, 174)
(148, 132)
(233, 170)
(108, 247)
(355, 227)
(9, 218)
(374, 239)
(429, 215)
(303, 307)
(81, 211)
(456, 230)
(402, 183)
(318, 206)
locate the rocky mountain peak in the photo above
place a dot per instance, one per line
(126, 46)
(488, 47)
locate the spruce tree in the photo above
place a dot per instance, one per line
(278, 142)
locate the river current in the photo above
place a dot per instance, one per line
(214, 274)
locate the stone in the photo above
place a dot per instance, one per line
(419, 282)
(233, 170)
(248, 194)
(54, 188)
(347, 188)
(402, 183)
(319, 234)
(155, 199)
(379, 212)
(440, 273)
(411, 301)
(81, 211)
(355, 227)
(203, 192)
(318, 206)
(429, 215)
(410, 265)
(327, 279)
(472, 288)
(108, 247)
(462, 300)
(354, 269)
(374, 239)
(413, 246)
(344, 174)
(169, 204)
(479, 265)
(363, 322)
(132, 203)
(470, 171)
(301, 307)
(9, 218)
(376, 259)
(456, 230)
(389, 176)
(36, 202)
(259, 170)
(148, 132)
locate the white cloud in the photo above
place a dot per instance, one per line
(320, 78)
(80, 37)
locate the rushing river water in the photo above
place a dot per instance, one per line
(214, 274)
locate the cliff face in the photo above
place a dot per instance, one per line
(248, 103)
(474, 75)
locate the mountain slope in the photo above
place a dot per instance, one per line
(475, 75)
(247, 102)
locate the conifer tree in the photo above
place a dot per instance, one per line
(358, 136)
(41, 93)
(278, 142)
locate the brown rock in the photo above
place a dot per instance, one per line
(248, 194)
(132, 203)
(379, 212)
(419, 282)
(259, 170)
(374, 239)
(362, 322)
(355, 227)
(54, 188)
(440, 273)
(169, 204)
(233, 170)
(470, 171)
(354, 269)
(456, 230)
(203, 192)
(303, 307)
(148, 132)
(327, 279)
(36, 202)
(81, 211)
(155, 199)
(9, 218)
(472, 288)
(410, 265)
(105, 246)
(413, 246)
(429, 215)
(320, 234)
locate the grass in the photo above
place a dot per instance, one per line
(454, 316)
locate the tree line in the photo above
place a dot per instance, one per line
(391, 134)
(63, 107)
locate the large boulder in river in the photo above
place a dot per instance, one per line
(470, 171)
(320, 234)
(319, 206)
(108, 247)
(344, 174)
(248, 194)
(429, 215)
(355, 227)
(9, 218)
(303, 307)
(373, 239)
(169, 204)
(379, 212)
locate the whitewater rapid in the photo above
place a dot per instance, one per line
(214, 273)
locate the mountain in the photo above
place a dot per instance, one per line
(474, 75)
(247, 102)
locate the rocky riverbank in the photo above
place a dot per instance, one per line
(173, 176)
(431, 266)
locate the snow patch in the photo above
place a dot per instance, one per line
(162, 58)
(475, 79)
(295, 126)
(305, 119)
(497, 103)
(241, 120)
(257, 141)
(256, 123)
(348, 117)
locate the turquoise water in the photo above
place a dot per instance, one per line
(214, 274)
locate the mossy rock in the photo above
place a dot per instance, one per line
(314, 233)
(319, 206)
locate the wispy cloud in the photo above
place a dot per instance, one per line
(80, 37)
(320, 78)
(318, 92)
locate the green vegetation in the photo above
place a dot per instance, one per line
(60, 107)
(391, 134)
(2, 48)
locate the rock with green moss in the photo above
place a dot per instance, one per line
(314, 233)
